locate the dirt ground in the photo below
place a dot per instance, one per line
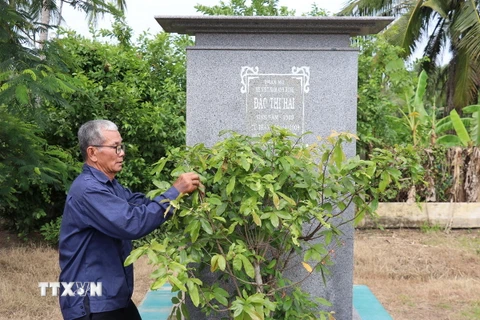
(24, 265)
(428, 275)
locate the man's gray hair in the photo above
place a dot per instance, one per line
(90, 133)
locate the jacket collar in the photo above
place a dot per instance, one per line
(99, 175)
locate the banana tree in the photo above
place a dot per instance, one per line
(467, 129)
(416, 118)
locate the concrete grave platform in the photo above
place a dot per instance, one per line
(158, 304)
(415, 215)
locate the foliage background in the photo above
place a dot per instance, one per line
(47, 93)
(49, 88)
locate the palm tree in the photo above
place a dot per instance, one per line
(453, 25)
(41, 13)
(93, 8)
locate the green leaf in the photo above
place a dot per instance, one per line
(420, 92)
(256, 219)
(174, 281)
(206, 226)
(232, 227)
(276, 200)
(237, 263)
(471, 108)
(214, 263)
(158, 167)
(221, 219)
(218, 176)
(272, 264)
(222, 263)
(221, 295)
(230, 185)
(157, 246)
(160, 282)
(394, 172)
(134, 255)
(449, 140)
(193, 293)
(460, 128)
(384, 181)
(285, 164)
(214, 200)
(194, 229)
(252, 312)
(437, 6)
(245, 163)
(287, 198)
(274, 220)
(218, 261)
(338, 156)
(152, 256)
(247, 265)
(21, 93)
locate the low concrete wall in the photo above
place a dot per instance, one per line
(414, 215)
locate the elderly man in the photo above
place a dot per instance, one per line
(100, 219)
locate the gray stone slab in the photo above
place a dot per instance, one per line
(216, 102)
(273, 41)
(194, 25)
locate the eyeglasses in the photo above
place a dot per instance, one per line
(118, 149)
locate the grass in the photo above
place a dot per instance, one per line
(415, 275)
(421, 275)
(23, 266)
(473, 312)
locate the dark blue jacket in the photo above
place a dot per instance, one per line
(100, 219)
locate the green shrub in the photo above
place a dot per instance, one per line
(51, 231)
(248, 222)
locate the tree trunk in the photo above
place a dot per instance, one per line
(472, 183)
(43, 37)
(456, 158)
(451, 89)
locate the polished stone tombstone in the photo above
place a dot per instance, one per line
(248, 73)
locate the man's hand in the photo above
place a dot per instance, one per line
(187, 182)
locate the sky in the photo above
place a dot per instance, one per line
(140, 13)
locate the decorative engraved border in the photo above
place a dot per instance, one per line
(246, 74)
(305, 73)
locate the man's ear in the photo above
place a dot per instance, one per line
(92, 154)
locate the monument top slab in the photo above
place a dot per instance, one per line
(353, 26)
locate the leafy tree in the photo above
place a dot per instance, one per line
(54, 89)
(42, 13)
(33, 175)
(448, 24)
(383, 84)
(141, 87)
(240, 8)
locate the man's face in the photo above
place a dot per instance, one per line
(105, 158)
